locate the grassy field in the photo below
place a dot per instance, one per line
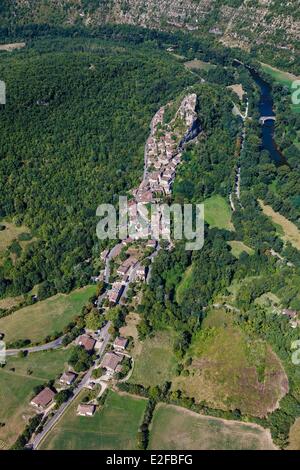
(217, 317)
(197, 64)
(230, 372)
(155, 362)
(238, 247)
(289, 230)
(285, 78)
(39, 320)
(191, 431)
(217, 212)
(11, 233)
(294, 439)
(113, 427)
(184, 284)
(16, 389)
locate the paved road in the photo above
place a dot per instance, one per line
(43, 347)
(49, 425)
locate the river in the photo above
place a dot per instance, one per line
(266, 106)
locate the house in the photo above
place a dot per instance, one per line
(122, 270)
(141, 273)
(144, 197)
(120, 343)
(111, 361)
(86, 410)
(151, 244)
(87, 342)
(68, 378)
(130, 262)
(104, 255)
(115, 292)
(291, 314)
(43, 399)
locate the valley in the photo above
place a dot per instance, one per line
(134, 336)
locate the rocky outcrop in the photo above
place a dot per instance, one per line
(242, 23)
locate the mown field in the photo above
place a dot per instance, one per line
(294, 439)
(228, 371)
(289, 231)
(44, 318)
(238, 247)
(154, 360)
(113, 427)
(175, 428)
(17, 380)
(217, 212)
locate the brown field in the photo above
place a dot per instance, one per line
(192, 431)
(238, 89)
(291, 232)
(11, 47)
(10, 302)
(294, 439)
(229, 371)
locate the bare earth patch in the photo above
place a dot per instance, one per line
(238, 89)
(12, 47)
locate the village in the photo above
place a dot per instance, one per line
(126, 264)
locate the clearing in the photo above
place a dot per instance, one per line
(114, 427)
(191, 431)
(155, 362)
(238, 90)
(239, 247)
(229, 371)
(197, 64)
(294, 439)
(184, 284)
(44, 318)
(17, 380)
(217, 212)
(290, 231)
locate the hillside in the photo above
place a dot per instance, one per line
(257, 24)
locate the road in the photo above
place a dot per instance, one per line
(43, 347)
(59, 413)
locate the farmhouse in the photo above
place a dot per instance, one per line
(68, 378)
(86, 410)
(111, 361)
(120, 343)
(43, 399)
(87, 342)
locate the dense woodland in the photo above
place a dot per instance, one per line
(73, 134)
